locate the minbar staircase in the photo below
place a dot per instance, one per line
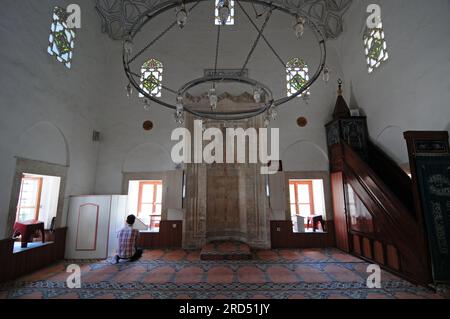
(378, 213)
(396, 240)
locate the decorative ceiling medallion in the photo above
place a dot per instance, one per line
(147, 125)
(118, 16)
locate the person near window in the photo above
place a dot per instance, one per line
(128, 240)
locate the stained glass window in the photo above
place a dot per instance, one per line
(230, 20)
(375, 47)
(297, 76)
(151, 77)
(61, 38)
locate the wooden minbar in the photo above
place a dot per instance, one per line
(373, 215)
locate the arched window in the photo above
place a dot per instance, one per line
(296, 75)
(375, 47)
(151, 77)
(230, 20)
(61, 38)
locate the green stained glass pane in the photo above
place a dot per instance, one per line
(151, 77)
(297, 76)
(62, 43)
(150, 83)
(297, 82)
(375, 49)
(61, 38)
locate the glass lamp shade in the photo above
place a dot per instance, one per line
(147, 104)
(128, 46)
(129, 90)
(182, 17)
(299, 27)
(257, 95)
(179, 104)
(273, 114)
(326, 75)
(213, 98)
(179, 117)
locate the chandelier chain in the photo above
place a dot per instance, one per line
(262, 35)
(264, 38)
(154, 41)
(258, 15)
(216, 59)
(170, 27)
(269, 14)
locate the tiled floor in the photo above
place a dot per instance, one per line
(296, 274)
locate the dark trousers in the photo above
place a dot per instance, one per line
(136, 256)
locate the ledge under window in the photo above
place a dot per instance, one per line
(18, 249)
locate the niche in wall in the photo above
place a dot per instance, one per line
(51, 179)
(145, 201)
(307, 195)
(168, 194)
(307, 205)
(38, 199)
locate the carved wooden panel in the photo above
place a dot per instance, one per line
(378, 252)
(392, 257)
(367, 248)
(340, 220)
(333, 134)
(430, 146)
(354, 133)
(359, 217)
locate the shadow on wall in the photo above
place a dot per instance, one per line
(392, 142)
(148, 157)
(44, 142)
(304, 155)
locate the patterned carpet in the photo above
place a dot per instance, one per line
(273, 274)
(226, 250)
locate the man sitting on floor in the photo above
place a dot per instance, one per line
(128, 240)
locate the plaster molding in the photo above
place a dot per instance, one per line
(242, 98)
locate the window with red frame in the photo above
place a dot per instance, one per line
(29, 199)
(301, 197)
(149, 203)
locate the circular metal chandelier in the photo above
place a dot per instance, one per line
(267, 105)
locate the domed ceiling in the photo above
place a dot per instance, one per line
(119, 15)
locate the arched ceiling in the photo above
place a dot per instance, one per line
(119, 15)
